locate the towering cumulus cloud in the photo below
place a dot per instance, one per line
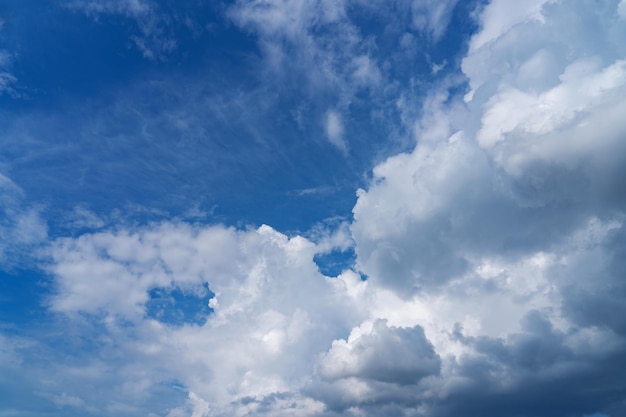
(489, 277)
(504, 235)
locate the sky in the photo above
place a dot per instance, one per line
(313, 208)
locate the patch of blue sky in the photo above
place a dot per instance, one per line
(179, 306)
(22, 297)
(335, 262)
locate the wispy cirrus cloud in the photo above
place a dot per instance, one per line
(8, 80)
(22, 227)
(155, 39)
(323, 49)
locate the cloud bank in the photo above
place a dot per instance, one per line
(490, 259)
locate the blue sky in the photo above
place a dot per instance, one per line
(312, 208)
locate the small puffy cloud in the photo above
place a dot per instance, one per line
(381, 353)
(334, 131)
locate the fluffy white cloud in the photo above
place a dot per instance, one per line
(273, 310)
(494, 252)
(377, 352)
(507, 218)
(8, 80)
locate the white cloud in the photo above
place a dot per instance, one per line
(375, 351)
(583, 87)
(21, 227)
(265, 330)
(325, 52)
(334, 131)
(315, 48)
(430, 200)
(500, 16)
(494, 253)
(432, 16)
(366, 73)
(621, 9)
(483, 223)
(8, 81)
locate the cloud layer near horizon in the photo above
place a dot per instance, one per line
(494, 252)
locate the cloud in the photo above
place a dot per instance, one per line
(396, 355)
(334, 131)
(527, 158)
(506, 218)
(22, 227)
(314, 48)
(432, 16)
(493, 251)
(264, 329)
(500, 16)
(318, 50)
(8, 80)
(155, 40)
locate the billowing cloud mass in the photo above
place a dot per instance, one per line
(488, 277)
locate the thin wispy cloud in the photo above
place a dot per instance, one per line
(155, 36)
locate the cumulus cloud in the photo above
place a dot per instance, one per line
(494, 253)
(396, 355)
(265, 326)
(483, 223)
